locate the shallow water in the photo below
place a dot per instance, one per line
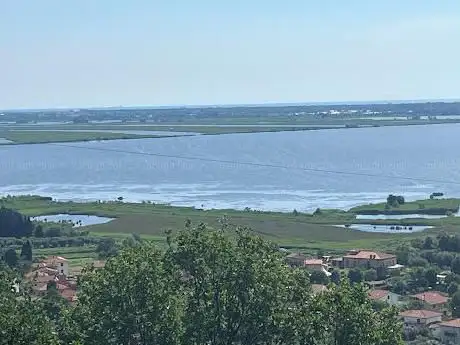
(386, 228)
(209, 171)
(77, 219)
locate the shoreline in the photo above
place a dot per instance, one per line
(38, 136)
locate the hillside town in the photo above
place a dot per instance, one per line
(427, 312)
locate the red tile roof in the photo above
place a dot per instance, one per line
(452, 323)
(69, 294)
(378, 294)
(364, 254)
(420, 314)
(432, 297)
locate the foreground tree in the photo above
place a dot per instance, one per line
(22, 320)
(218, 287)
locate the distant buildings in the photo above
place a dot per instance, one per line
(384, 296)
(368, 259)
(433, 300)
(449, 331)
(416, 319)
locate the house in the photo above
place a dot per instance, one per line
(414, 319)
(449, 331)
(316, 265)
(296, 259)
(384, 296)
(69, 294)
(433, 300)
(57, 263)
(368, 259)
(337, 262)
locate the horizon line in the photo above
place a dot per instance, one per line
(236, 105)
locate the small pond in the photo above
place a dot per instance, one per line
(77, 219)
(398, 216)
(393, 229)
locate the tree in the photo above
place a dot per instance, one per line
(452, 288)
(135, 297)
(218, 288)
(107, 248)
(14, 224)
(431, 276)
(455, 304)
(38, 232)
(455, 265)
(370, 275)
(22, 321)
(319, 277)
(335, 277)
(11, 258)
(428, 243)
(355, 275)
(26, 251)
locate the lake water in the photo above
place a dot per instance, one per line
(399, 216)
(89, 172)
(391, 229)
(84, 220)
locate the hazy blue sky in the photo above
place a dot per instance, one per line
(56, 53)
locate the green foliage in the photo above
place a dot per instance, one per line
(370, 275)
(395, 200)
(431, 276)
(22, 320)
(355, 275)
(26, 251)
(11, 257)
(335, 277)
(14, 224)
(319, 277)
(219, 287)
(455, 304)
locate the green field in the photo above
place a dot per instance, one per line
(37, 137)
(29, 134)
(306, 232)
(429, 206)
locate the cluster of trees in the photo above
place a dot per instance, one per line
(395, 200)
(14, 224)
(208, 287)
(427, 258)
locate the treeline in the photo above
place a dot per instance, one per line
(14, 224)
(187, 114)
(219, 287)
(429, 257)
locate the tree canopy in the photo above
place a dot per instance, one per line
(213, 287)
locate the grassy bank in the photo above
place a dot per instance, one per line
(429, 206)
(27, 133)
(37, 137)
(304, 231)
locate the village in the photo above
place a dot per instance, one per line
(428, 312)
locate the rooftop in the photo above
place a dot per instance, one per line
(377, 294)
(431, 297)
(420, 314)
(313, 262)
(452, 323)
(364, 254)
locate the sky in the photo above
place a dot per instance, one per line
(93, 53)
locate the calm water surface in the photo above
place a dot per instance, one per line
(426, 152)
